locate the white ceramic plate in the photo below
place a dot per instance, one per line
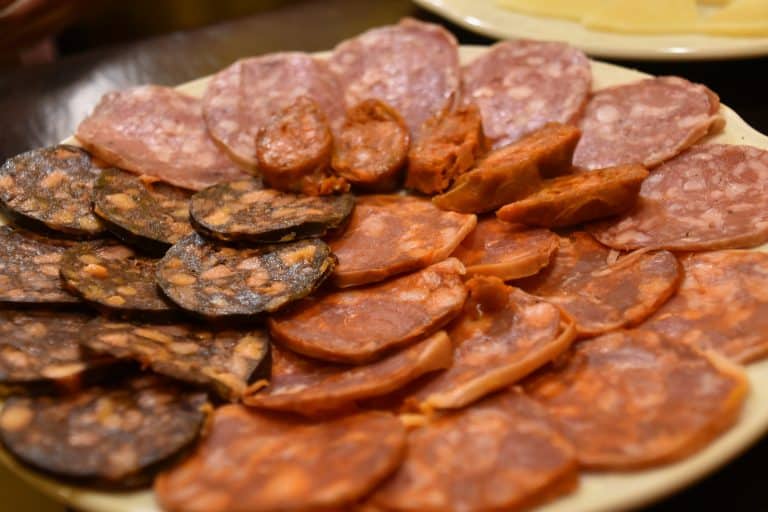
(490, 19)
(598, 492)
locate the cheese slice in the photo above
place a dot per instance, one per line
(648, 16)
(714, 2)
(739, 18)
(567, 9)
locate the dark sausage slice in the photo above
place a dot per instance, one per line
(50, 189)
(372, 146)
(266, 462)
(243, 210)
(112, 437)
(143, 213)
(217, 281)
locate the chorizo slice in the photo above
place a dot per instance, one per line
(50, 189)
(371, 148)
(512, 172)
(579, 197)
(223, 360)
(114, 436)
(503, 453)
(218, 281)
(410, 233)
(632, 399)
(252, 461)
(243, 210)
(506, 251)
(151, 216)
(309, 387)
(361, 324)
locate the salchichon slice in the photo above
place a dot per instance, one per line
(50, 189)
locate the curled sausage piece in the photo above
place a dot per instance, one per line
(632, 399)
(372, 146)
(257, 462)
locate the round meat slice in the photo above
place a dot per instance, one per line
(112, 276)
(50, 189)
(503, 453)
(243, 210)
(711, 197)
(217, 281)
(631, 399)
(409, 232)
(226, 361)
(311, 387)
(158, 132)
(412, 66)
(359, 325)
(507, 251)
(114, 437)
(149, 215)
(522, 85)
(645, 122)
(254, 462)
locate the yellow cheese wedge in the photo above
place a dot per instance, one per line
(648, 16)
(714, 2)
(568, 9)
(739, 18)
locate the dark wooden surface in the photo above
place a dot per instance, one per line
(42, 105)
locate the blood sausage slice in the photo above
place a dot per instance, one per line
(522, 85)
(116, 436)
(242, 210)
(645, 122)
(711, 197)
(258, 462)
(506, 251)
(50, 189)
(409, 233)
(311, 387)
(579, 197)
(503, 453)
(226, 361)
(359, 325)
(413, 66)
(216, 281)
(631, 399)
(149, 215)
(159, 132)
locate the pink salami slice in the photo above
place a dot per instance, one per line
(159, 132)
(645, 122)
(522, 85)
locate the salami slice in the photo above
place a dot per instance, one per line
(219, 281)
(50, 189)
(149, 215)
(242, 210)
(257, 462)
(413, 66)
(631, 399)
(410, 234)
(506, 251)
(310, 387)
(226, 361)
(645, 122)
(503, 453)
(710, 197)
(361, 324)
(522, 85)
(158, 132)
(115, 437)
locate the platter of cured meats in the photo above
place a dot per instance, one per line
(399, 275)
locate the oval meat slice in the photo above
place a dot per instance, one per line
(645, 122)
(257, 462)
(159, 132)
(503, 453)
(522, 85)
(310, 387)
(410, 234)
(711, 197)
(359, 325)
(631, 399)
